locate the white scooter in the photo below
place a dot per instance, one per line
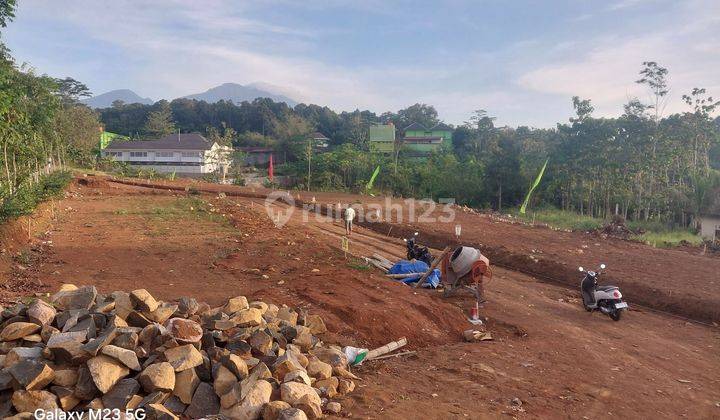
(606, 299)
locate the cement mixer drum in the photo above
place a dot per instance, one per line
(462, 260)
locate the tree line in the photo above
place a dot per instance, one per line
(42, 124)
(641, 165)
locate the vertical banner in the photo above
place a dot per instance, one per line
(532, 187)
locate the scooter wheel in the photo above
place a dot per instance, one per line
(615, 315)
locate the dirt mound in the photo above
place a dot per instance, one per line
(91, 181)
(616, 229)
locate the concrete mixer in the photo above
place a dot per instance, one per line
(465, 268)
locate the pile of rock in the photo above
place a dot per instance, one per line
(125, 351)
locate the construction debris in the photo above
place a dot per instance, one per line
(476, 335)
(87, 351)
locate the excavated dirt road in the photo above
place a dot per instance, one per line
(677, 281)
(560, 361)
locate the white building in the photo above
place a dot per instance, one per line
(179, 153)
(710, 219)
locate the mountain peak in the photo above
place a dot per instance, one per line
(237, 93)
(106, 99)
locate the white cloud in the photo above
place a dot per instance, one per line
(605, 69)
(174, 48)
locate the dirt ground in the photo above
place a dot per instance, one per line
(678, 281)
(558, 360)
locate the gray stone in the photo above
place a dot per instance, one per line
(236, 304)
(175, 405)
(292, 414)
(261, 342)
(185, 384)
(41, 312)
(333, 407)
(66, 397)
(236, 365)
(32, 374)
(106, 337)
(106, 371)
(248, 318)
(126, 340)
(120, 394)
(143, 300)
(188, 306)
(184, 330)
(252, 406)
(204, 402)
(158, 377)
(127, 357)
(29, 401)
(272, 410)
(21, 353)
(18, 330)
(85, 388)
(184, 357)
(82, 298)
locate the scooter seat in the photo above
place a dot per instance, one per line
(606, 288)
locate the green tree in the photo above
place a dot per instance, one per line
(160, 122)
(7, 11)
(654, 77)
(71, 91)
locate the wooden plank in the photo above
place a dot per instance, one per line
(434, 265)
(403, 276)
(387, 348)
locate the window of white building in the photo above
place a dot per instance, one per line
(138, 154)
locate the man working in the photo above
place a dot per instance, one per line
(349, 216)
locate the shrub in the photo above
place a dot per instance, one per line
(28, 195)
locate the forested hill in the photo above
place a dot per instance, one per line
(642, 164)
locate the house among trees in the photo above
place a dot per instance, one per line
(187, 154)
(710, 221)
(420, 141)
(320, 141)
(382, 137)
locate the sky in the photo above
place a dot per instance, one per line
(521, 61)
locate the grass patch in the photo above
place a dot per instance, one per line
(561, 219)
(359, 265)
(668, 238)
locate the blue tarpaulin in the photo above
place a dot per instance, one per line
(406, 267)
